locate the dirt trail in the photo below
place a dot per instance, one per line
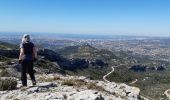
(133, 82)
(104, 78)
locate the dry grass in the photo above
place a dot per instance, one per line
(95, 87)
(49, 79)
(70, 82)
(82, 83)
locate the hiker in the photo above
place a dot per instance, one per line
(27, 56)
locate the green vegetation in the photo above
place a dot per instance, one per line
(86, 52)
(4, 45)
(152, 90)
(82, 83)
(95, 87)
(2, 58)
(92, 73)
(4, 72)
(70, 82)
(74, 82)
(47, 66)
(122, 74)
(91, 54)
(7, 84)
(152, 84)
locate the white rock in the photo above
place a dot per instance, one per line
(56, 91)
(33, 89)
(86, 95)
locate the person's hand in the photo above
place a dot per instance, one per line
(35, 59)
(20, 61)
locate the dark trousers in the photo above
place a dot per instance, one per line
(27, 67)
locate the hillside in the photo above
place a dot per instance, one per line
(5, 45)
(99, 61)
(92, 63)
(52, 71)
(86, 60)
(87, 52)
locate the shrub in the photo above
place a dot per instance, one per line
(4, 73)
(7, 84)
(56, 78)
(68, 82)
(74, 82)
(2, 58)
(95, 87)
(80, 83)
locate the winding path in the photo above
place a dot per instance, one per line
(133, 82)
(167, 94)
(104, 78)
(145, 98)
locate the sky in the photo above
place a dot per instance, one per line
(113, 17)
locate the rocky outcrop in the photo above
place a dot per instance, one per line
(138, 68)
(161, 68)
(79, 63)
(9, 53)
(64, 63)
(86, 95)
(55, 90)
(98, 63)
(51, 55)
(123, 90)
(143, 68)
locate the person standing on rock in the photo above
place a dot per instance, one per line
(27, 56)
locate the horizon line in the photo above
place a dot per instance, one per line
(92, 34)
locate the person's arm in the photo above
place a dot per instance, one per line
(34, 53)
(21, 53)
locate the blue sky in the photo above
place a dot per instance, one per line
(130, 17)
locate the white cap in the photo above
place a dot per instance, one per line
(26, 35)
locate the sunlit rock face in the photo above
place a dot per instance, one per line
(51, 87)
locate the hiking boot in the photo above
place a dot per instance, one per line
(33, 82)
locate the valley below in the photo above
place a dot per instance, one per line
(96, 69)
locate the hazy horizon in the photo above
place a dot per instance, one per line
(97, 17)
(79, 35)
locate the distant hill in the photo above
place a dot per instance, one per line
(86, 51)
(5, 45)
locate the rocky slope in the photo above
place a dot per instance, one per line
(54, 84)
(59, 87)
